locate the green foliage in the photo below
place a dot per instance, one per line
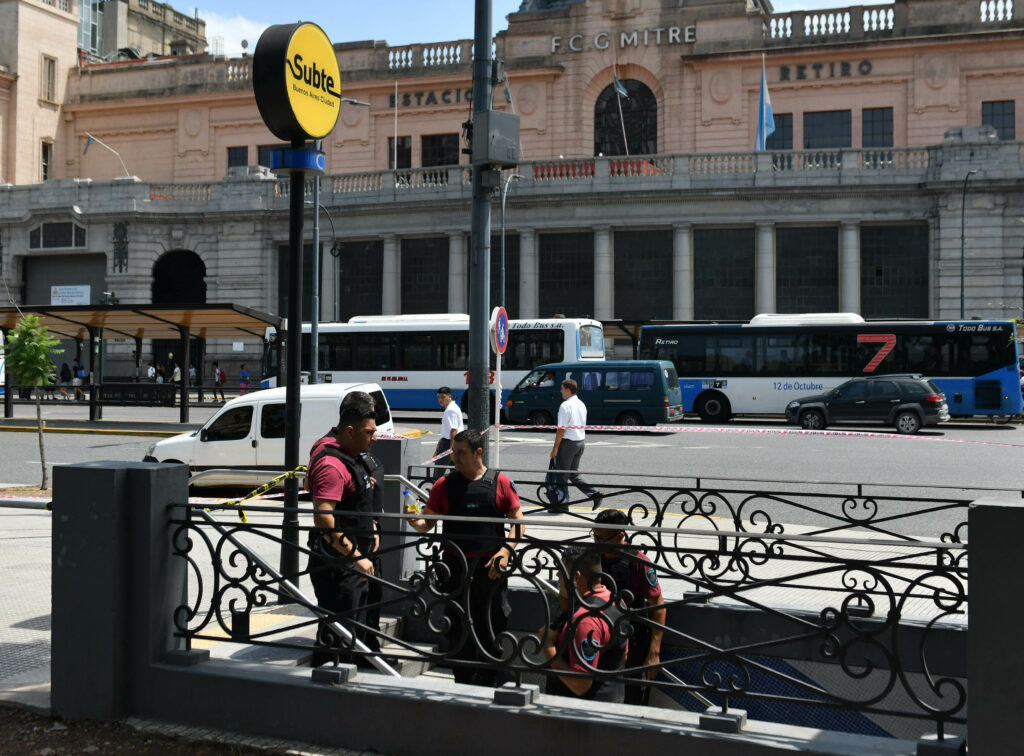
(30, 351)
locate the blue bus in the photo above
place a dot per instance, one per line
(760, 366)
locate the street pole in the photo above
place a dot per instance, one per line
(504, 194)
(963, 208)
(480, 234)
(314, 316)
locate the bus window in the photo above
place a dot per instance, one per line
(786, 354)
(416, 351)
(830, 355)
(530, 347)
(735, 355)
(453, 350)
(591, 341)
(922, 354)
(338, 347)
(373, 350)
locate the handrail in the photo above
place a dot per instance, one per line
(25, 504)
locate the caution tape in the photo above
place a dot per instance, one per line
(446, 452)
(260, 491)
(754, 431)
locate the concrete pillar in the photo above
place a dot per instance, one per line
(996, 614)
(528, 274)
(391, 296)
(849, 267)
(457, 285)
(604, 262)
(764, 286)
(682, 272)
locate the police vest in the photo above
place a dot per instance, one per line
(621, 571)
(613, 657)
(474, 498)
(361, 502)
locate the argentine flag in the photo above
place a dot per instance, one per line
(765, 117)
(620, 88)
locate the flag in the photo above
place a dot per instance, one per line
(88, 141)
(508, 92)
(765, 117)
(619, 88)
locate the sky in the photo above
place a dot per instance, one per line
(398, 22)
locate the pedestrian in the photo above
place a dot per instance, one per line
(159, 373)
(175, 373)
(150, 372)
(584, 638)
(451, 425)
(192, 379)
(50, 387)
(65, 381)
(569, 441)
(342, 547)
(628, 568)
(243, 380)
(78, 379)
(219, 379)
(476, 557)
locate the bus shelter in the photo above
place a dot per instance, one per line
(167, 321)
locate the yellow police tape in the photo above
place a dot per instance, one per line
(260, 491)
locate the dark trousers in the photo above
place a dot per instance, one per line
(341, 589)
(485, 601)
(442, 465)
(568, 458)
(636, 655)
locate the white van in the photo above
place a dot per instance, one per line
(248, 432)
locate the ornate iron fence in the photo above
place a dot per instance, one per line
(861, 578)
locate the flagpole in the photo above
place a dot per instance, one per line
(92, 139)
(618, 100)
(395, 145)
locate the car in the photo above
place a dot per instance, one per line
(905, 401)
(248, 432)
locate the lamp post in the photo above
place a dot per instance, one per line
(963, 208)
(504, 194)
(314, 315)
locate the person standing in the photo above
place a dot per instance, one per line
(630, 569)
(342, 546)
(451, 425)
(78, 379)
(65, 380)
(476, 557)
(243, 380)
(569, 441)
(150, 372)
(175, 374)
(219, 379)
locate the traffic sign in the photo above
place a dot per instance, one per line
(499, 330)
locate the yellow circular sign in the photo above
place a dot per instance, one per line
(313, 80)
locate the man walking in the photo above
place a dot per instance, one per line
(568, 448)
(219, 379)
(451, 425)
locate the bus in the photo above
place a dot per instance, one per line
(411, 356)
(760, 366)
(3, 366)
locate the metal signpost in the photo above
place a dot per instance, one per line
(297, 83)
(499, 343)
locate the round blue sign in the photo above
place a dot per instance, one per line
(500, 330)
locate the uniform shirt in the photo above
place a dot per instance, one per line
(451, 420)
(591, 631)
(643, 577)
(329, 479)
(573, 412)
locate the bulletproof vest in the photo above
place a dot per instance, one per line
(621, 571)
(612, 657)
(362, 501)
(474, 498)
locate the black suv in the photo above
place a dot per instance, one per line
(904, 401)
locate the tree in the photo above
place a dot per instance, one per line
(29, 354)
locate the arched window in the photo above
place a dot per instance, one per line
(640, 111)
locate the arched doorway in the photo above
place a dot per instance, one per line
(179, 278)
(640, 113)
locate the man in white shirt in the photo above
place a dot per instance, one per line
(568, 448)
(451, 425)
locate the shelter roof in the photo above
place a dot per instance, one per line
(207, 321)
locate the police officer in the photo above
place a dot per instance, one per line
(342, 546)
(630, 569)
(589, 639)
(475, 555)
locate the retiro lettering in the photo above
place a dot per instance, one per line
(312, 75)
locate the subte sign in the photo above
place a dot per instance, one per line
(499, 330)
(297, 81)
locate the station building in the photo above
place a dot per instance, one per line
(891, 186)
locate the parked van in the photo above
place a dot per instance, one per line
(616, 392)
(249, 432)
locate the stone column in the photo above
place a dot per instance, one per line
(604, 262)
(457, 287)
(528, 274)
(682, 272)
(849, 267)
(391, 294)
(764, 286)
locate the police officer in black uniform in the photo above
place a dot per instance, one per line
(475, 556)
(342, 546)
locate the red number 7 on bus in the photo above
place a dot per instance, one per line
(888, 342)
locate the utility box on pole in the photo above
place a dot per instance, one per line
(495, 139)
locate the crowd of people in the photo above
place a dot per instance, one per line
(599, 581)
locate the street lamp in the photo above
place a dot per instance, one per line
(963, 208)
(314, 320)
(504, 194)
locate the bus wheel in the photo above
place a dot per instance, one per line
(629, 418)
(907, 422)
(714, 408)
(540, 417)
(1000, 419)
(812, 420)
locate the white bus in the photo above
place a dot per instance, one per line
(410, 356)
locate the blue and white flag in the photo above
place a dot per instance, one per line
(508, 92)
(89, 141)
(765, 117)
(619, 88)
